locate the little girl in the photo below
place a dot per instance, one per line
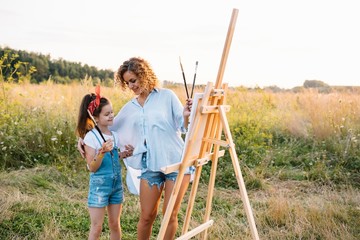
(105, 185)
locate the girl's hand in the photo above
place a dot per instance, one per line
(107, 146)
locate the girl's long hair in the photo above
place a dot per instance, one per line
(84, 123)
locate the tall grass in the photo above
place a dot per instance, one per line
(299, 153)
(318, 134)
(37, 123)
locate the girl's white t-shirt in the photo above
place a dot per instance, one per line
(91, 141)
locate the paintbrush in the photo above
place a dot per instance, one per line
(182, 70)
(193, 85)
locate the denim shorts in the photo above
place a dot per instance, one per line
(105, 190)
(158, 178)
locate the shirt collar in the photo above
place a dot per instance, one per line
(154, 90)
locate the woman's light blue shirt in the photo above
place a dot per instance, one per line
(159, 123)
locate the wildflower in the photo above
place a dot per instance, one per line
(54, 139)
(59, 132)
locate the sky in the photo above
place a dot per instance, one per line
(275, 42)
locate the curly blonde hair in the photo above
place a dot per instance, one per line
(142, 69)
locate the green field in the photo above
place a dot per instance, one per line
(299, 154)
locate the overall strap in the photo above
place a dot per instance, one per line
(115, 144)
(96, 137)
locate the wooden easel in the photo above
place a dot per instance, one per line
(202, 144)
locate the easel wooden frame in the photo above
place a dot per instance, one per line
(202, 144)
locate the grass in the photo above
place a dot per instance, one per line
(46, 203)
(299, 154)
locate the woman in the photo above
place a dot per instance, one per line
(152, 122)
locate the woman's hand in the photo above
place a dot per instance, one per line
(187, 108)
(80, 147)
(187, 111)
(127, 152)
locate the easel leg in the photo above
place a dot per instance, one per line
(238, 174)
(191, 201)
(212, 175)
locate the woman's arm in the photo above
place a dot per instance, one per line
(119, 118)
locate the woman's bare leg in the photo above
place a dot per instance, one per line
(173, 222)
(149, 203)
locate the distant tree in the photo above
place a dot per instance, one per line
(60, 70)
(314, 84)
(273, 88)
(297, 89)
(319, 85)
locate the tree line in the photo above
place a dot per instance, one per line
(19, 65)
(15, 64)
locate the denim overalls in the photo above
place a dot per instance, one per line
(105, 185)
